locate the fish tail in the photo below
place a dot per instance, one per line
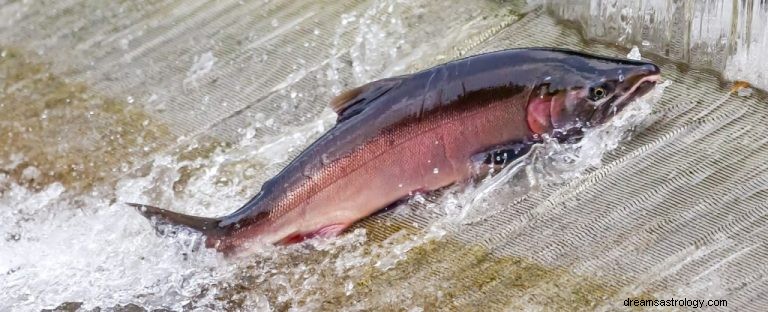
(207, 226)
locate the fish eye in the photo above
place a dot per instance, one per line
(597, 93)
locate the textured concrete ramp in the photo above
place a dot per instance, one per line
(191, 105)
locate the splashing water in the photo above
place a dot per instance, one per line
(59, 246)
(99, 253)
(549, 163)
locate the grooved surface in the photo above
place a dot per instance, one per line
(680, 210)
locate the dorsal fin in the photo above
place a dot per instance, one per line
(344, 100)
(352, 101)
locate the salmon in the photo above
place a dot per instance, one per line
(424, 131)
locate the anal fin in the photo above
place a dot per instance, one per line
(327, 231)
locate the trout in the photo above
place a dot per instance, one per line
(421, 132)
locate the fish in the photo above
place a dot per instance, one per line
(450, 124)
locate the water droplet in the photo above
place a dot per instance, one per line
(435, 171)
(744, 92)
(400, 185)
(250, 133)
(325, 158)
(349, 287)
(130, 99)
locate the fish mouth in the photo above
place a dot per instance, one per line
(640, 87)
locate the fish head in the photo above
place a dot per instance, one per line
(578, 91)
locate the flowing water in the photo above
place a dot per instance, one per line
(76, 145)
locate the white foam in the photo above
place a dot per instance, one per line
(60, 249)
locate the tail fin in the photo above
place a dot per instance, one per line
(207, 226)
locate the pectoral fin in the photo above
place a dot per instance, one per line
(496, 159)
